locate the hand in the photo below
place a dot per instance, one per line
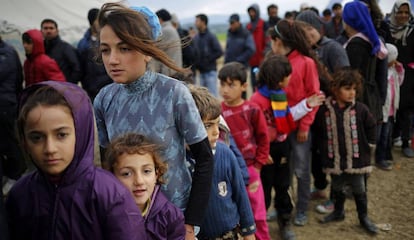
(302, 136)
(269, 160)
(253, 186)
(249, 237)
(315, 100)
(189, 232)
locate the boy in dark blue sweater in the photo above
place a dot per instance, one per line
(228, 214)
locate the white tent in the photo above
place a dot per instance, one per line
(18, 16)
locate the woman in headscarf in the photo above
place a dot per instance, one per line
(401, 26)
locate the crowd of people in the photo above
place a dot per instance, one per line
(115, 140)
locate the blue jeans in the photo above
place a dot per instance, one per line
(209, 80)
(300, 158)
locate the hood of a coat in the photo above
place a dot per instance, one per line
(84, 122)
(37, 39)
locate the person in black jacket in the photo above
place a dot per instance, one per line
(62, 52)
(208, 51)
(94, 74)
(11, 162)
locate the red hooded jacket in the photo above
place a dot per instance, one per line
(38, 66)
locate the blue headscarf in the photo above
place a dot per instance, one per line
(356, 15)
(152, 19)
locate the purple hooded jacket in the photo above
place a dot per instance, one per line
(164, 220)
(88, 203)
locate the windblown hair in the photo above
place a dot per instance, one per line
(133, 28)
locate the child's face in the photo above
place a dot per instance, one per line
(231, 91)
(28, 47)
(213, 132)
(284, 82)
(49, 138)
(137, 172)
(122, 63)
(345, 94)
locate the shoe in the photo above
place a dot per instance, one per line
(285, 227)
(287, 233)
(384, 165)
(333, 217)
(408, 152)
(397, 142)
(271, 216)
(368, 225)
(318, 194)
(326, 207)
(301, 219)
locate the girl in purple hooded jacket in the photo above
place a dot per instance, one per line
(66, 197)
(136, 162)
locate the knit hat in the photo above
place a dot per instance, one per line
(392, 52)
(174, 19)
(312, 18)
(356, 15)
(92, 15)
(234, 18)
(163, 15)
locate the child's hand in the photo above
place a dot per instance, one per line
(302, 136)
(269, 160)
(253, 186)
(315, 100)
(249, 237)
(189, 232)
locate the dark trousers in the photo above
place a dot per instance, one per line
(277, 176)
(319, 177)
(403, 125)
(384, 141)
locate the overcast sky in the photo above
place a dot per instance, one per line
(189, 8)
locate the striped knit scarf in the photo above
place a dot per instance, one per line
(281, 112)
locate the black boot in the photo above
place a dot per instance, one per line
(361, 205)
(285, 227)
(338, 214)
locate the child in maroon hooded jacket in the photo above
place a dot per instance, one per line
(38, 66)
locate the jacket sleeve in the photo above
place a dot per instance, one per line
(249, 49)
(261, 136)
(175, 228)
(201, 185)
(240, 160)
(311, 87)
(124, 220)
(240, 197)
(51, 71)
(216, 47)
(73, 59)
